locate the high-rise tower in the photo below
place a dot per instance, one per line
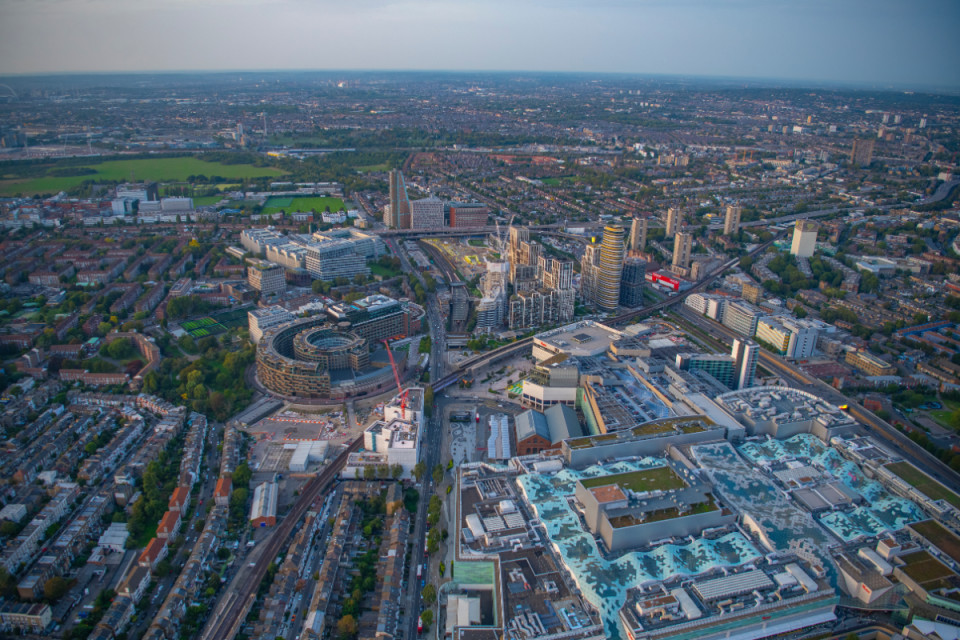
(631, 283)
(638, 235)
(674, 218)
(397, 216)
(731, 223)
(682, 243)
(610, 269)
(862, 152)
(745, 354)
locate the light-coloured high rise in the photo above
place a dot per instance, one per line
(745, 354)
(523, 254)
(804, 238)
(638, 234)
(731, 223)
(589, 266)
(426, 213)
(610, 269)
(682, 244)
(674, 218)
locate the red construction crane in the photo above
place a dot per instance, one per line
(396, 376)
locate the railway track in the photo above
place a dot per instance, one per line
(235, 605)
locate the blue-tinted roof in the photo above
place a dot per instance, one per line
(531, 423)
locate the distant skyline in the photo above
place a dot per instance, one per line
(883, 43)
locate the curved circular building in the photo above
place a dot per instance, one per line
(312, 358)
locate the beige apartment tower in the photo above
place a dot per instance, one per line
(731, 223)
(674, 218)
(638, 235)
(804, 238)
(682, 243)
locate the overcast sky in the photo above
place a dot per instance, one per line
(886, 42)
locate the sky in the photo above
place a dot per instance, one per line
(875, 42)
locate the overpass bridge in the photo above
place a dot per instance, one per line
(471, 364)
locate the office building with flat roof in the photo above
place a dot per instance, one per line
(426, 213)
(468, 215)
(266, 277)
(259, 320)
(869, 363)
(742, 317)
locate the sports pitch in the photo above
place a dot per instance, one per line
(156, 169)
(275, 204)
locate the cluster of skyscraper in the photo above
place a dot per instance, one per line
(528, 290)
(608, 277)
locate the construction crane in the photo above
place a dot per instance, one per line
(396, 376)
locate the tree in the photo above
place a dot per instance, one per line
(429, 594)
(120, 349)
(241, 475)
(55, 588)
(397, 471)
(419, 470)
(347, 626)
(428, 400)
(8, 584)
(437, 474)
(369, 472)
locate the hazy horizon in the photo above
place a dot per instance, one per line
(859, 43)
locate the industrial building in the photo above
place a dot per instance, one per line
(263, 510)
(538, 431)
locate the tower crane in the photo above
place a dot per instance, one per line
(396, 376)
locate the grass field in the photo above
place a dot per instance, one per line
(288, 204)
(663, 478)
(924, 483)
(158, 169)
(382, 271)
